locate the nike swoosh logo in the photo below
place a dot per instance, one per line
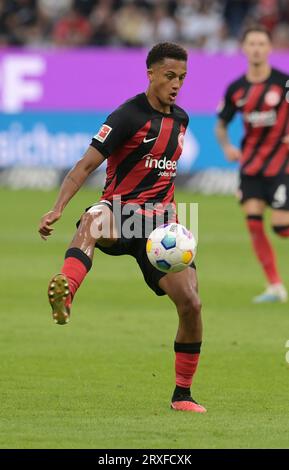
(145, 141)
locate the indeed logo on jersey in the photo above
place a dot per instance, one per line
(261, 118)
(161, 164)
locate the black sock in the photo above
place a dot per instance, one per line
(180, 393)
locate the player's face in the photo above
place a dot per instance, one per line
(166, 78)
(257, 47)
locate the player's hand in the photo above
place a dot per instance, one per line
(285, 139)
(46, 221)
(232, 153)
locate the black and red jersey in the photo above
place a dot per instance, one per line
(265, 113)
(142, 147)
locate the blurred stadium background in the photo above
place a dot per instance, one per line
(64, 65)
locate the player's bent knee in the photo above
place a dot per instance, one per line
(190, 304)
(86, 220)
(281, 230)
(97, 223)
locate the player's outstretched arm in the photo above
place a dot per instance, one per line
(91, 160)
(231, 152)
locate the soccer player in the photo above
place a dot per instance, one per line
(142, 141)
(260, 95)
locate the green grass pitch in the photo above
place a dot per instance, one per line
(105, 380)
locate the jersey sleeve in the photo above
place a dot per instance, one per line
(227, 108)
(113, 132)
(187, 120)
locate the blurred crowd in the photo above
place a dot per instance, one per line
(213, 25)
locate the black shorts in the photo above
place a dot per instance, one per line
(274, 190)
(136, 247)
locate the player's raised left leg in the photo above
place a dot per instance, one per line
(96, 225)
(182, 288)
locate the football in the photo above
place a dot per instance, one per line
(171, 248)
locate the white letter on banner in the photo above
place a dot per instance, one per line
(15, 88)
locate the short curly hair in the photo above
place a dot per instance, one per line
(165, 50)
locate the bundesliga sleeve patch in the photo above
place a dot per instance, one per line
(103, 133)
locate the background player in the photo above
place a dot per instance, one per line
(148, 126)
(260, 95)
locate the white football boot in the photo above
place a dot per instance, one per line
(273, 293)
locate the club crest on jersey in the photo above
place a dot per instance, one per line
(272, 98)
(103, 133)
(181, 137)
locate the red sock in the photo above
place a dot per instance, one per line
(76, 266)
(284, 233)
(263, 249)
(187, 358)
(281, 230)
(186, 366)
